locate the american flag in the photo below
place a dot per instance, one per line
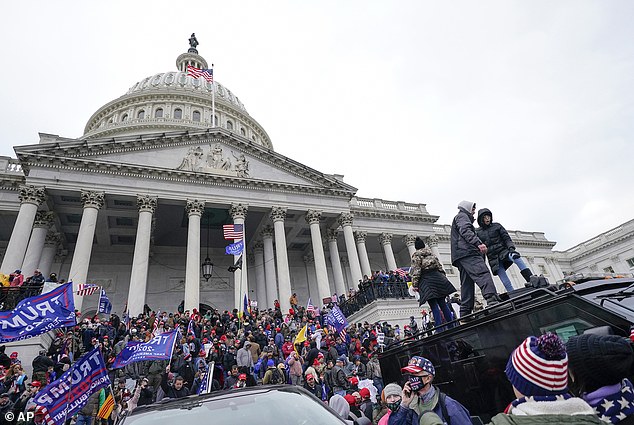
(84, 289)
(400, 272)
(232, 231)
(310, 308)
(190, 328)
(156, 322)
(207, 74)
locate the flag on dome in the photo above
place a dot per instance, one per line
(207, 74)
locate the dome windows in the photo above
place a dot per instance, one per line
(196, 116)
(141, 114)
(158, 113)
(229, 125)
(178, 113)
(243, 132)
(124, 117)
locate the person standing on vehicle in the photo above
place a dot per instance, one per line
(428, 276)
(467, 251)
(501, 251)
(421, 396)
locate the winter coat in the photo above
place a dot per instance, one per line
(429, 277)
(244, 358)
(498, 242)
(41, 363)
(91, 406)
(464, 240)
(172, 392)
(572, 410)
(458, 414)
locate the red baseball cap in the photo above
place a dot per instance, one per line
(364, 392)
(36, 384)
(242, 377)
(310, 376)
(350, 399)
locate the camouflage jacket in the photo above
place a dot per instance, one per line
(423, 260)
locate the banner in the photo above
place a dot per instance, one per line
(158, 348)
(67, 395)
(39, 314)
(105, 306)
(235, 248)
(336, 319)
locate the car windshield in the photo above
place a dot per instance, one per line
(259, 408)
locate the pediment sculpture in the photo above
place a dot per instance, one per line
(214, 161)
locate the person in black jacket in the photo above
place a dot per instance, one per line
(501, 251)
(467, 251)
(177, 390)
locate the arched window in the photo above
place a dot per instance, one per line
(253, 137)
(178, 113)
(229, 126)
(243, 131)
(158, 113)
(124, 117)
(196, 116)
(141, 114)
(215, 120)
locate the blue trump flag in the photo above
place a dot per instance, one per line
(105, 306)
(37, 315)
(158, 348)
(235, 248)
(336, 319)
(67, 395)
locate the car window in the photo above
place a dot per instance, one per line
(268, 408)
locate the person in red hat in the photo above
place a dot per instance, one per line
(242, 381)
(366, 403)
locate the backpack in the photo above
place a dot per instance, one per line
(276, 377)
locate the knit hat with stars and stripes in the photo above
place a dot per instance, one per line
(539, 366)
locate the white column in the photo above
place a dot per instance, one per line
(345, 263)
(260, 278)
(269, 266)
(337, 271)
(278, 215)
(194, 210)
(359, 237)
(238, 212)
(323, 288)
(141, 259)
(345, 220)
(30, 198)
(409, 242)
(311, 278)
(43, 220)
(386, 241)
(432, 241)
(48, 253)
(78, 273)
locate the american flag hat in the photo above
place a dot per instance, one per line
(539, 366)
(419, 364)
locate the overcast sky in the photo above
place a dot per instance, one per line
(525, 107)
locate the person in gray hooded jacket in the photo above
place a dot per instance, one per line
(467, 253)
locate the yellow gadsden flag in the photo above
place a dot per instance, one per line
(301, 336)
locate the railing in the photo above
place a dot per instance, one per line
(10, 165)
(372, 291)
(10, 296)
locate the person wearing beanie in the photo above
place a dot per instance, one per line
(501, 251)
(421, 396)
(538, 372)
(428, 277)
(341, 406)
(467, 254)
(598, 369)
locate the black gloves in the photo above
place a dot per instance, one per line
(515, 255)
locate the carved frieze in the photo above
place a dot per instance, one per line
(213, 160)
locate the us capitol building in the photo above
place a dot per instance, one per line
(137, 204)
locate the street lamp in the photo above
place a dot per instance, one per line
(207, 267)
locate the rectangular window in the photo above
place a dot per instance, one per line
(630, 262)
(608, 269)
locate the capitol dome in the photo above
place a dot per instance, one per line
(173, 101)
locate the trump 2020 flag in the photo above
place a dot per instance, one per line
(39, 314)
(158, 348)
(235, 248)
(105, 306)
(67, 395)
(336, 319)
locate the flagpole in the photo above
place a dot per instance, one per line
(99, 300)
(213, 98)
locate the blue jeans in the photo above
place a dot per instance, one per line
(84, 420)
(504, 277)
(436, 305)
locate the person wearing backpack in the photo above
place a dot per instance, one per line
(421, 396)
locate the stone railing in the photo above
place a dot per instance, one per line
(380, 204)
(10, 165)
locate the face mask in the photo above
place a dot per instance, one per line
(394, 406)
(416, 383)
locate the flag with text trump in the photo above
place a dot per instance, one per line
(158, 348)
(67, 395)
(39, 314)
(336, 319)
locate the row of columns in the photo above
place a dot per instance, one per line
(32, 245)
